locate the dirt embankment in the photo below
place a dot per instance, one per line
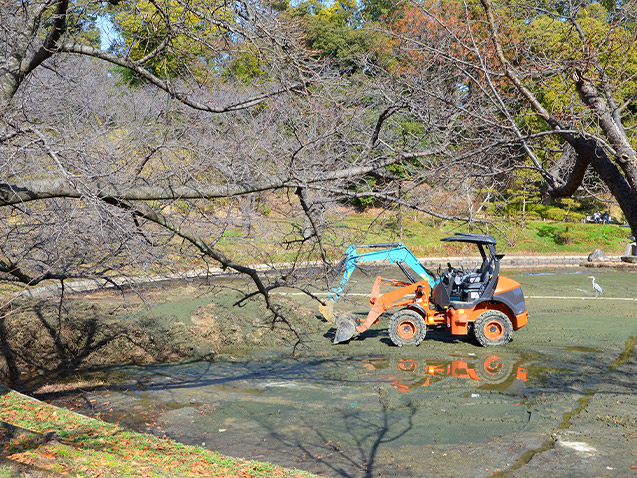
(40, 338)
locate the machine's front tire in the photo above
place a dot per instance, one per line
(492, 327)
(407, 327)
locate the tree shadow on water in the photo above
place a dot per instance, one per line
(354, 453)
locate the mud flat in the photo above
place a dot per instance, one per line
(560, 400)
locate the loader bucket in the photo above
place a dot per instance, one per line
(345, 329)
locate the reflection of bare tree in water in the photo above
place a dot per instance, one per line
(367, 434)
(381, 435)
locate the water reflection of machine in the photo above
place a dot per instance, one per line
(494, 372)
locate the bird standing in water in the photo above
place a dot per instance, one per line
(596, 286)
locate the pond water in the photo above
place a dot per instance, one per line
(367, 408)
(342, 416)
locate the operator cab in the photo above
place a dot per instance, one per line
(465, 289)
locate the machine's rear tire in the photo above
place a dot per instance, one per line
(407, 327)
(492, 327)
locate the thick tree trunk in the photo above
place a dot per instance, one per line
(588, 152)
(9, 78)
(37, 190)
(622, 186)
(624, 153)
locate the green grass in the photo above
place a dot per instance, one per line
(422, 235)
(270, 240)
(8, 472)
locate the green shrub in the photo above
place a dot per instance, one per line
(575, 217)
(532, 216)
(550, 213)
(569, 236)
(554, 214)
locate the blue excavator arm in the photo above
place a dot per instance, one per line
(394, 253)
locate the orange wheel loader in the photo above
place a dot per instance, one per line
(480, 301)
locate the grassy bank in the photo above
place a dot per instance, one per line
(422, 235)
(537, 237)
(48, 441)
(58, 441)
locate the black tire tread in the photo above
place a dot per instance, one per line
(418, 320)
(478, 328)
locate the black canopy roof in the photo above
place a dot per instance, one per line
(468, 237)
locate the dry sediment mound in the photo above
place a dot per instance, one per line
(229, 329)
(37, 338)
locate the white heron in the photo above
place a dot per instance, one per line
(596, 286)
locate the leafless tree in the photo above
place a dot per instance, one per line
(100, 180)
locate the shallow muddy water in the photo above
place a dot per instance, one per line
(554, 402)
